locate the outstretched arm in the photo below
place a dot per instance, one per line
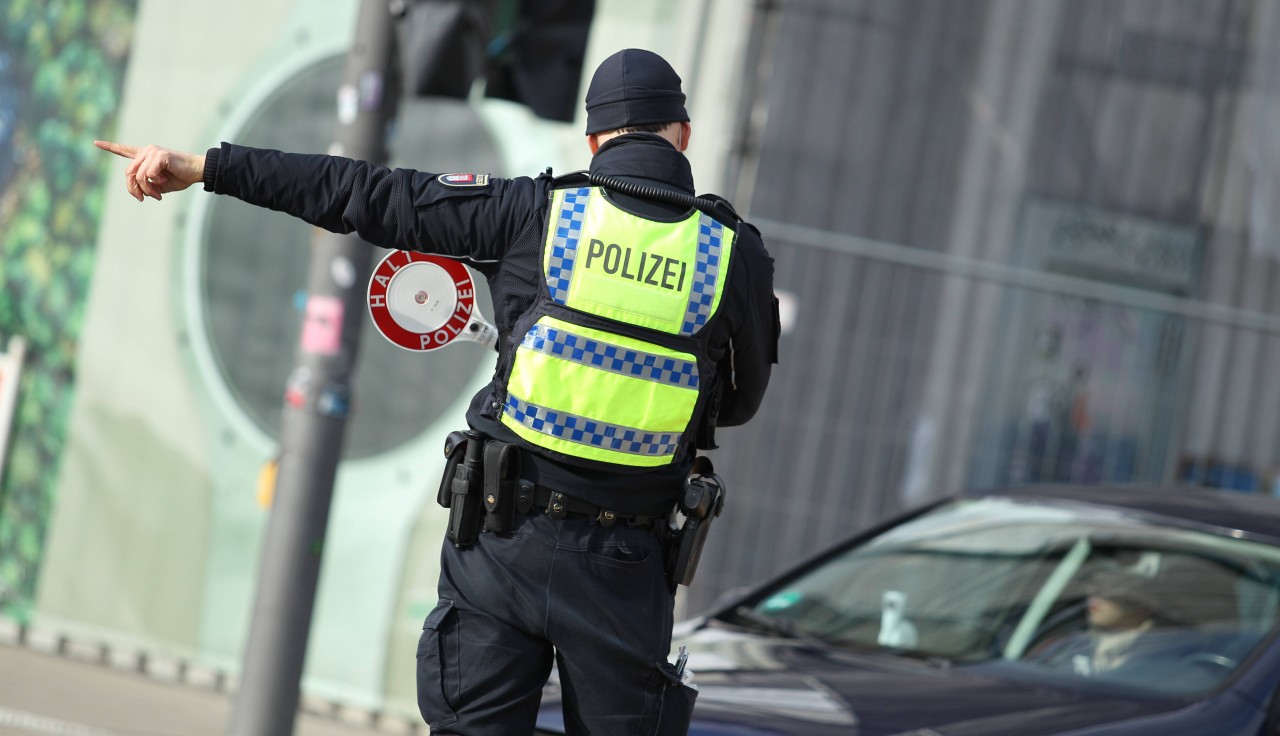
(391, 208)
(156, 171)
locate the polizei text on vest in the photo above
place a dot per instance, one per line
(628, 263)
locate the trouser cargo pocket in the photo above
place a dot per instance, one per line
(438, 665)
(676, 703)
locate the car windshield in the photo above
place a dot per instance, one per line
(1061, 590)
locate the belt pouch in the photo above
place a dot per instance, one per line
(501, 466)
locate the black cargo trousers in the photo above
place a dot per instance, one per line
(595, 598)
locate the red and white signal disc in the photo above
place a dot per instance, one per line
(423, 302)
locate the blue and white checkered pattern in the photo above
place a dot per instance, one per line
(564, 245)
(706, 275)
(579, 429)
(612, 358)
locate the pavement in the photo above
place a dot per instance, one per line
(71, 693)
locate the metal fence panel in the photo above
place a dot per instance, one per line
(1028, 241)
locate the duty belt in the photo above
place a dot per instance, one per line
(482, 489)
(558, 506)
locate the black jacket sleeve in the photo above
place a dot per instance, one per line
(754, 339)
(392, 208)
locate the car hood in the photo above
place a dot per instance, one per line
(752, 685)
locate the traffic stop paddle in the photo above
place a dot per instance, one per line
(422, 302)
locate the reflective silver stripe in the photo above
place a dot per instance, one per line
(564, 244)
(706, 275)
(584, 431)
(611, 358)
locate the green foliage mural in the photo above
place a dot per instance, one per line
(61, 68)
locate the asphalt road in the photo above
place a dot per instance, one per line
(44, 693)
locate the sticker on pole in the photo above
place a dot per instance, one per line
(423, 302)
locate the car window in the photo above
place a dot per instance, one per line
(1062, 591)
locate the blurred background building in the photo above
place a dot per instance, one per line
(1015, 241)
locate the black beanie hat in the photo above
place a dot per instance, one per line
(634, 87)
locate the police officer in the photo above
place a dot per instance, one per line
(633, 320)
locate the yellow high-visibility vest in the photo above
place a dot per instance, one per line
(612, 368)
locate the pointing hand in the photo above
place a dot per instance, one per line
(156, 171)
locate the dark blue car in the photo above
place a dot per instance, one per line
(1088, 611)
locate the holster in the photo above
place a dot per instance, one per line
(701, 503)
(464, 487)
(455, 446)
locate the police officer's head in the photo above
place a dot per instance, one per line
(636, 90)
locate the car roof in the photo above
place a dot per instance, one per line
(1249, 514)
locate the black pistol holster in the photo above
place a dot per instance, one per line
(701, 503)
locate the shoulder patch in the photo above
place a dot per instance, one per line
(464, 180)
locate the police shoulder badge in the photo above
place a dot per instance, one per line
(464, 180)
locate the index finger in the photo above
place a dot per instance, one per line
(118, 149)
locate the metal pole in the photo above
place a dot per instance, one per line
(316, 410)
